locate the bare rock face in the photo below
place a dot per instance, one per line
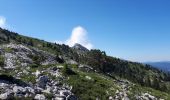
(80, 48)
(10, 61)
(18, 60)
(147, 96)
(71, 62)
(4, 96)
(17, 55)
(11, 87)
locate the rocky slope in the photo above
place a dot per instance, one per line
(27, 82)
(35, 69)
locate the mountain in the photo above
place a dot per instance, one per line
(35, 69)
(80, 47)
(164, 65)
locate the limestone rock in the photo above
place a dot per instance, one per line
(39, 97)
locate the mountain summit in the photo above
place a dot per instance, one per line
(80, 47)
(34, 69)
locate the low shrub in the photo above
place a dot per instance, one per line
(2, 60)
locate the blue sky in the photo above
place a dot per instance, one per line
(137, 30)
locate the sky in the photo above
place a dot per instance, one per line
(136, 30)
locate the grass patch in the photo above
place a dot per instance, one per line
(137, 89)
(90, 89)
(30, 78)
(9, 50)
(66, 70)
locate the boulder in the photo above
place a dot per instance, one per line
(64, 93)
(38, 90)
(48, 90)
(4, 96)
(125, 98)
(110, 98)
(42, 81)
(30, 90)
(3, 85)
(37, 73)
(39, 97)
(18, 89)
(71, 62)
(59, 98)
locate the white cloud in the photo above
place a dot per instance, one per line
(78, 35)
(2, 22)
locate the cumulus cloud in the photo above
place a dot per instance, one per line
(2, 22)
(78, 35)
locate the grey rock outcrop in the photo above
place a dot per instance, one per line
(39, 97)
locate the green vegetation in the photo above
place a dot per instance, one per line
(34, 65)
(101, 86)
(138, 89)
(148, 78)
(48, 96)
(2, 60)
(37, 58)
(67, 71)
(144, 75)
(90, 89)
(31, 78)
(11, 79)
(9, 50)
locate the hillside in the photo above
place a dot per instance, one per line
(35, 69)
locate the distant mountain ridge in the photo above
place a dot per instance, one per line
(163, 65)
